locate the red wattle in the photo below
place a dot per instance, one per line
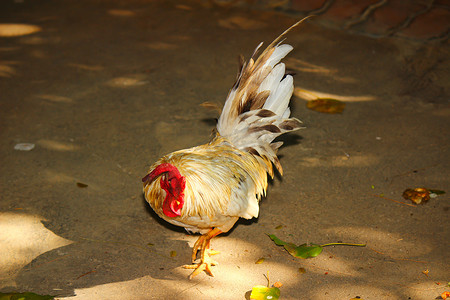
(174, 200)
(169, 209)
(173, 183)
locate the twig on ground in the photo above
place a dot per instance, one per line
(87, 273)
(400, 202)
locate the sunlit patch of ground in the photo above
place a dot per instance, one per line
(23, 237)
(12, 30)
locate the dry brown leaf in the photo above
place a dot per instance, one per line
(260, 261)
(418, 195)
(277, 284)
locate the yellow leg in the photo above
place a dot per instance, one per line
(206, 262)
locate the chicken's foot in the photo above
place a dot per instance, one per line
(206, 261)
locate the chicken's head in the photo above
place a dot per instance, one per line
(173, 183)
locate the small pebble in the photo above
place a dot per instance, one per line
(24, 147)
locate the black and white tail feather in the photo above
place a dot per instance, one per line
(257, 107)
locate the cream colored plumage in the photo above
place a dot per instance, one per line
(208, 188)
(222, 184)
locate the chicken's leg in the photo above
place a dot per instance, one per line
(206, 262)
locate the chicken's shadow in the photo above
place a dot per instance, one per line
(179, 229)
(289, 140)
(158, 219)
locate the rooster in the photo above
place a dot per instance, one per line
(206, 189)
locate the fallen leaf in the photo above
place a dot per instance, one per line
(426, 272)
(25, 296)
(81, 185)
(445, 295)
(261, 292)
(418, 195)
(279, 227)
(277, 284)
(326, 105)
(302, 251)
(305, 251)
(437, 192)
(260, 261)
(302, 270)
(276, 240)
(173, 253)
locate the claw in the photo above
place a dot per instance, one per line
(206, 262)
(198, 269)
(198, 244)
(202, 266)
(213, 252)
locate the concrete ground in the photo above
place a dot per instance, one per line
(104, 88)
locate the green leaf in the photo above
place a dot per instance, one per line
(304, 251)
(276, 240)
(24, 296)
(437, 192)
(261, 292)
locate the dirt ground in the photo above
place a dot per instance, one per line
(104, 88)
